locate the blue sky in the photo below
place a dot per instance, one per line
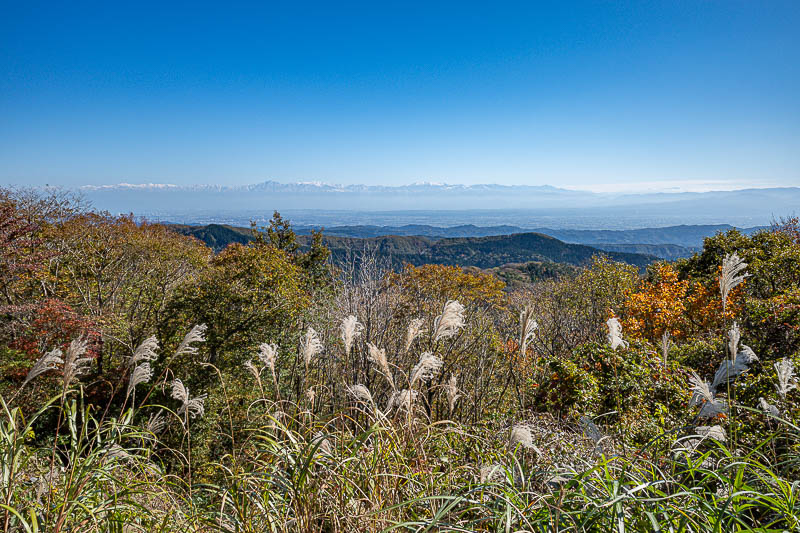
(598, 95)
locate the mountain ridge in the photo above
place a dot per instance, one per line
(481, 252)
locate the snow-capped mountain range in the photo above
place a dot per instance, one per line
(319, 187)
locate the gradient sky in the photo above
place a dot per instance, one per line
(592, 95)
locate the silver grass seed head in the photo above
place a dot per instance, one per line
(156, 423)
(45, 363)
(768, 408)
(701, 390)
(728, 371)
(713, 408)
(146, 351)
(450, 321)
(665, 345)
(323, 443)
(141, 374)
(378, 358)
(311, 345)
(520, 436)
(191, 407)
(253, 369)
(267, 354)
(614, 335)
(196, 334)
(351, 329)
(702, 433)
(179, 391)
(734, 335)
(493, 473)
(402, 400)
(731, 276)
(75, 365)
(453, 394)
(195, 407)
(527, 326)
(787, 381)
(426, 369)
(361, 393)
(415, 329)
(712, 432)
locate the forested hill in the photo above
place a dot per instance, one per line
(482, 252)
(687, 236)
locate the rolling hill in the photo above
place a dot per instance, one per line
(481, 252)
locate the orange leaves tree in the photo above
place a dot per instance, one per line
(683, 307)
(659, 305)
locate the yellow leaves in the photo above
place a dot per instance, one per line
(433, 284)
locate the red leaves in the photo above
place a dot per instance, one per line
(56, 324)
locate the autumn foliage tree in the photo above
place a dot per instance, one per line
(659, 305)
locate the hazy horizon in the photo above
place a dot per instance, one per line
(674, 186)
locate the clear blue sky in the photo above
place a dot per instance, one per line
(584, 94)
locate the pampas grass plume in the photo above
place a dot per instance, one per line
(75, 365)
(415, 329)
(378, 357)
(614, 335)
(197, 334)
(450, 321)
(45, 363)
(351, 328)
(731, 276)
(786, 377)
(311, 345)
(141, 374)
(527, 327)
(145, 352)
(453, 394)
(426, 369)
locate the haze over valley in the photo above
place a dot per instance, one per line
(529, 207)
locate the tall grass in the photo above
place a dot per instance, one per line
(384, 461)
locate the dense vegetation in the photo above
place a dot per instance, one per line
(150, 384)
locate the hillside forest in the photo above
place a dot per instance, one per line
(151, 383)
